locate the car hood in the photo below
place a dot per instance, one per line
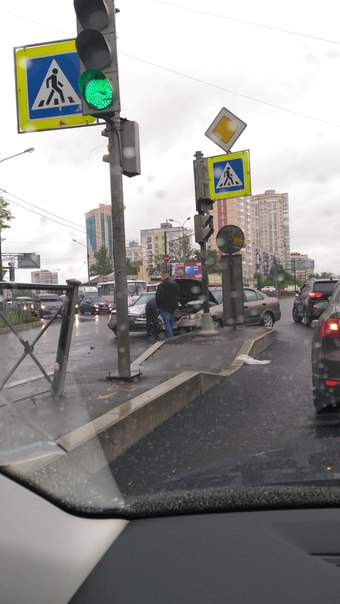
(191, 290)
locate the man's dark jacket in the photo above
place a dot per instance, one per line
(167, 295)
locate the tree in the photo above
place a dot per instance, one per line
(103, 264)
(180, 249)
(5, 217)
(213, 261)
(131, 267)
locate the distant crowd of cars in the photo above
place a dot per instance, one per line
(40, 306)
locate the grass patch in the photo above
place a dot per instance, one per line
(15, 318)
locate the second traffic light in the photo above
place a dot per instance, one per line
(204, 205)
(97, 50)
(204, 227)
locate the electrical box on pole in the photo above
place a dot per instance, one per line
(97, 50)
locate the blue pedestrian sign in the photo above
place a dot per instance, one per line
(229, 175)
(47, 87)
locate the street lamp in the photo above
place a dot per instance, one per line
(29, 150)
(87, 256)
(181, 223)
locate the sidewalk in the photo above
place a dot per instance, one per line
(173, 373)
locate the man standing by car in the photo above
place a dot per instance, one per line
(167, 301)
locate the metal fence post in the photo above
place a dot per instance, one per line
(65, 337)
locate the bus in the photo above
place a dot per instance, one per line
(135, 288)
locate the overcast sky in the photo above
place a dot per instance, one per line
(275, 65)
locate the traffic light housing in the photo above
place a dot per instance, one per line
(204, 205)
(204, 223)
(97, 50)
(204, 227)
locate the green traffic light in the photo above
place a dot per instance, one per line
(96, 89)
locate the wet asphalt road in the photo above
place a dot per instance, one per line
(259, 408)
(93, 346)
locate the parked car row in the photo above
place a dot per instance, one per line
(259, 309)
(40, 306)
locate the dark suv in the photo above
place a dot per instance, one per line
(312, 299)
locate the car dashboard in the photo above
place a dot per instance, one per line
(239, 556)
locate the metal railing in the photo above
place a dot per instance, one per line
(67, 311)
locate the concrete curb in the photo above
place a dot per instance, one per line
(106, 438)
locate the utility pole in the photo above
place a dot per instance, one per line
(113, 130)
(99, 89)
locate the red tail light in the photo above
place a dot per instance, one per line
(330, 328)
(331, 382)
(315, 294)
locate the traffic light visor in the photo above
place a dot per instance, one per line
(96, 89)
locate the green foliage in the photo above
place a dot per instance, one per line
(5, 214)
(213, 262)
(103, 264)
(131, 267)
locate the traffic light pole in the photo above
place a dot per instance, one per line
(113, 130)
(200, 191)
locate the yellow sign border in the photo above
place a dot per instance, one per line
(25, 124)
(244, 155)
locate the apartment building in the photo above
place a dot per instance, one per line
(98, 231)
(264, 219)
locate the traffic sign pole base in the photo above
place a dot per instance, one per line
(134, 372)
(207, 328)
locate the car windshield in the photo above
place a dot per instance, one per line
(325, 286)
(200, 159)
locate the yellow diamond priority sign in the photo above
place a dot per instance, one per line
(225, 129)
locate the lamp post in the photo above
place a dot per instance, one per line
(87, 258)
(29, 150)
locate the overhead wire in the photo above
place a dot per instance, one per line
(69, 226)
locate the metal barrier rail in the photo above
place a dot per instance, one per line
(67, 310)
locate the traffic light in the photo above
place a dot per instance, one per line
(97, 50)
(204, 227)
(204, 205)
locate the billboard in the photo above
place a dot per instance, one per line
(187, 270)
(28, 261)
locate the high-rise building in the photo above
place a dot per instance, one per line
(264, 219)
(301, 265)
(98, 231)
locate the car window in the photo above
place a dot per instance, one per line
(325, 286)
(249, 295)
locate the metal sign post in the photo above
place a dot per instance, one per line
(229, 240)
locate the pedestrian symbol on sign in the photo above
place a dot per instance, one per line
(55, 90)
(228, 178)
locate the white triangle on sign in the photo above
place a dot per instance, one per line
(228, 178)
(55, 90)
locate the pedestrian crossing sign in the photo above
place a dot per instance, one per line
(47, 91)
(229, 175)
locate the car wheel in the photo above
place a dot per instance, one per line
(268, 319)
(217, 323)
(114, 329)
(323, 404)
(295, 315)
(307, 319)
(81, 311)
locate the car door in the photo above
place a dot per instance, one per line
(253, 306)
(302, 296)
